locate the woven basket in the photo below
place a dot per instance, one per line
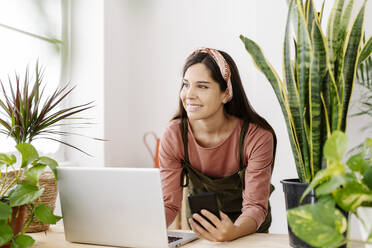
(10, 177)
(48, 198)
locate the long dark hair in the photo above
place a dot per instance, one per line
(239, 105)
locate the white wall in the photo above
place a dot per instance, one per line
(132, 66)
(86, 72)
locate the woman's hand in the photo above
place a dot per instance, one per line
(224, 229)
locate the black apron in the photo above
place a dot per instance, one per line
(228, 189)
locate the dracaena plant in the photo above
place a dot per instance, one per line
(314, 93)
(345, 185)
(27, 116)
(23, 190)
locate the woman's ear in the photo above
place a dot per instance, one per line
(226, 97)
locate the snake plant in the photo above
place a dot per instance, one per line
(318, 79)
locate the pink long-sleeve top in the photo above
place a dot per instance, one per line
(219, 161)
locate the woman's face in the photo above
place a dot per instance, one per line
(201, 95)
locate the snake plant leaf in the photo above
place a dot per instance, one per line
(303, 61)
(294, 99)
(333, 27)
(361, 75)
(267, 69)
(321, 12)
(353, 195)
(293, 16)
(326, 102)
(33, 174)
(44, 214)
(310, 14)
(24, 193)
(318, 69)
(335, 147)
(264, 66)
(354, 39)
(23, 241)
(5, 211)
(366, 51)
(345, 19)
(367, 177)
(320, 225)
(29, 153)
(6, 234)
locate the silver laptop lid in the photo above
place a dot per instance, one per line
(113, 206)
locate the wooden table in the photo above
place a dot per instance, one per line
(55, 238)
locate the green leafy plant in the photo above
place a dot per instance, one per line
(23, 190)
(25, 115)
(347, 186)
(317, 83)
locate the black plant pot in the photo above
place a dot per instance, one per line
(293, 190)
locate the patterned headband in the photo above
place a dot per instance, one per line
(222, 64)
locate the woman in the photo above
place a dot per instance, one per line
(217, 143)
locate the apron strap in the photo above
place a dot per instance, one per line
(243, 133)
(184, 131)
(184, 179)
(241, 144)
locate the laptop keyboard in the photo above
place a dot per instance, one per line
(172, 239)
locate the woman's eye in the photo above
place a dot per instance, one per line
(203, 87)
(185, 85)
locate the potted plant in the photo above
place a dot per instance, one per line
(317, 84)
(26, 116)
(340, 186)
(23, 191)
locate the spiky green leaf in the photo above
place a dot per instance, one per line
(350, 64)
(366, 50)
(318, 71)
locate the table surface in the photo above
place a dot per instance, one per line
(55, 238)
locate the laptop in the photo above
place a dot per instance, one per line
(115, 207)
